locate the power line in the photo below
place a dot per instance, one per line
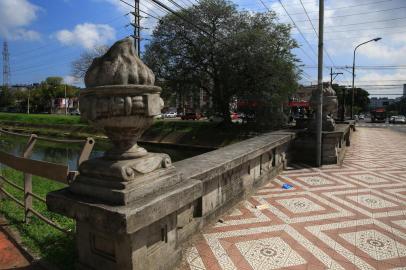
(298, 29)
(19, 54)
(144, 12)
(368, 22)
(346, 7)
(389, 94)
(41, 64)
(176, 4)
(159, 3)
(360, 29)
(360, 13)
(382, 85)
(315, 31)
(300, 47)
(364, 67)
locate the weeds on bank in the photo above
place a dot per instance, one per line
(49, 244)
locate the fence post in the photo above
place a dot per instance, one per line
(28, 179)
(27, 196)
(2, 196)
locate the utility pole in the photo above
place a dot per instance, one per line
(334, 73)
(28, 100)
(6, 65)
(343, 94)
(66, 103)
(319, 113)
(137, 27)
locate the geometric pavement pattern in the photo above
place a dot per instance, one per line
(348, 217)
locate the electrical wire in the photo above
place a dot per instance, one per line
(300, 47)
(298, 29)
(315, 31)
(345, 7)
(357, 14)
(368, 22)
(141, 11)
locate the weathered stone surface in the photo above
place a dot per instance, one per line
(121, 99)
(125, 219)
(146, 233)
(119, 66)
(133, 208)
(330, 108)
(334, 145)
(124, 113)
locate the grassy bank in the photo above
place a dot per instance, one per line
(176, 132)
(68, 126)
(41, 119)
(41, 239)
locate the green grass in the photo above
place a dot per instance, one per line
(48, 243)
(200, 133)
(46, 119)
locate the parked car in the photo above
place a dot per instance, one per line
(399, 119)
(361, 117)
(235, 118)
(74, 112)
(191, 116)
(216, 118)
(170, 115)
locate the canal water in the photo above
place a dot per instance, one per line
(63, 153)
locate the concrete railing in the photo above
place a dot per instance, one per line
(148, 234)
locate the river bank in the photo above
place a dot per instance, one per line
(175, 133)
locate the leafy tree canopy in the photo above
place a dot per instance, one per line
(239, 54)
(361, 98)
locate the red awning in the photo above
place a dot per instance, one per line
(299, 104)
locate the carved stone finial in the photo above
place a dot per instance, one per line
(119, 66)
(330, 107)
(121, 99)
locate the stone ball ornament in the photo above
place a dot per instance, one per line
(120, 98)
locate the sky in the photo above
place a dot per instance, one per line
(45, 36)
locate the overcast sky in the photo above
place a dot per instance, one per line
(45, 36)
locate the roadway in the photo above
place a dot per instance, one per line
(367, 124)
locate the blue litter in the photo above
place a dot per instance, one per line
(287, 186)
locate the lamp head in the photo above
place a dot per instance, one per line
(377, 39)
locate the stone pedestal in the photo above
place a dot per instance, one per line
(124, 181)
(334, 145)
(138, 236)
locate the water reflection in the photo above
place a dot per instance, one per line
(68, 153)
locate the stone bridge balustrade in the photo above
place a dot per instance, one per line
(148, 233)
(134, 209)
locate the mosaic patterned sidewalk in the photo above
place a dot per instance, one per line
(353, 217)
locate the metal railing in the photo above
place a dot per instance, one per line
(30, 167)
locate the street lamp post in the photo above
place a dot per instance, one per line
(353, 73)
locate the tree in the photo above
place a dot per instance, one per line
(361, 98)
(399, 107)
(80, 66)
(239, 54)
(50, 89)
(6, 98)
